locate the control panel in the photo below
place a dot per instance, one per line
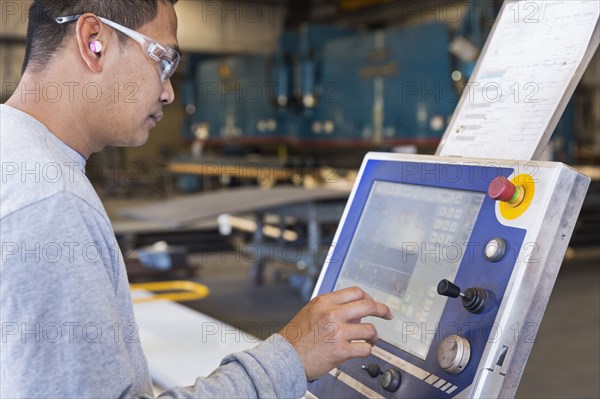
(465, 253)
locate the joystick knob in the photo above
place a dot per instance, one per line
(473, 299)
(372, 369)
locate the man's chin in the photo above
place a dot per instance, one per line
(137, 140)
(143, 140)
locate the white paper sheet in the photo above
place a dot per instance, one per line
(532, 62)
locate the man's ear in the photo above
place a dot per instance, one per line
(92, 41)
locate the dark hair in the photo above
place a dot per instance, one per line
(45, 36)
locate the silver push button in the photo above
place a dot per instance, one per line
(495, 249)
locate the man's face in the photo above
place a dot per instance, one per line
(137, 96)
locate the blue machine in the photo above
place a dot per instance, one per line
(563, 137)
(329, 84)
(298, 64)
(465, 264)
(388, 85)
(298, 75)
(258, 97)
(233, 99)
(283, 74)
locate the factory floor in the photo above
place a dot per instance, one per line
(564, 363)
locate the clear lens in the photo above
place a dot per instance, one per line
(166, 68)
(167, 58)
(169, 65)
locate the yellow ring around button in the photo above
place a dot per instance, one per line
(511, 213)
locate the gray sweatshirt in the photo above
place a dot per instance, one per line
(68, 328)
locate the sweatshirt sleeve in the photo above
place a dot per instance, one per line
(270, 370)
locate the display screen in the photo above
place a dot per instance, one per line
(409, 238)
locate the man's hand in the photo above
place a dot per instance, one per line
(324, 330)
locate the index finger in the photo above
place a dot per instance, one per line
(366, 307)
(386, 313)
(346, 295)
(382, 310)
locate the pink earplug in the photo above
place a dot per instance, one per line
(96, 46)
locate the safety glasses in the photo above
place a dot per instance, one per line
(166, 57)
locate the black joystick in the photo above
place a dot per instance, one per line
(372, 369)
(473, 299)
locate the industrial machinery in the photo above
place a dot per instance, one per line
(465, 252)
(298, 64)
(328, 83)
(385, 86)
(232, 99)
(333, 85)
(236, 98)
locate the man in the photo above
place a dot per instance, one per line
(68, 327)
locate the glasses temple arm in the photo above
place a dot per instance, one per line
(126, 31)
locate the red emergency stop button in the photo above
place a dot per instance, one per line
(501, 189)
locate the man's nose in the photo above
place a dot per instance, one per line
(168, 94)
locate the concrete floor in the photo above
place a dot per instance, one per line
(564, 363)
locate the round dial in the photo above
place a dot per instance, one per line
(453, 354)
(391, 380)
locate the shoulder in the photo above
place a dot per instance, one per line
(60, 229)
(55, 213)
(36, 166)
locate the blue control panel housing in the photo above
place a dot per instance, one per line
(474, 270)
